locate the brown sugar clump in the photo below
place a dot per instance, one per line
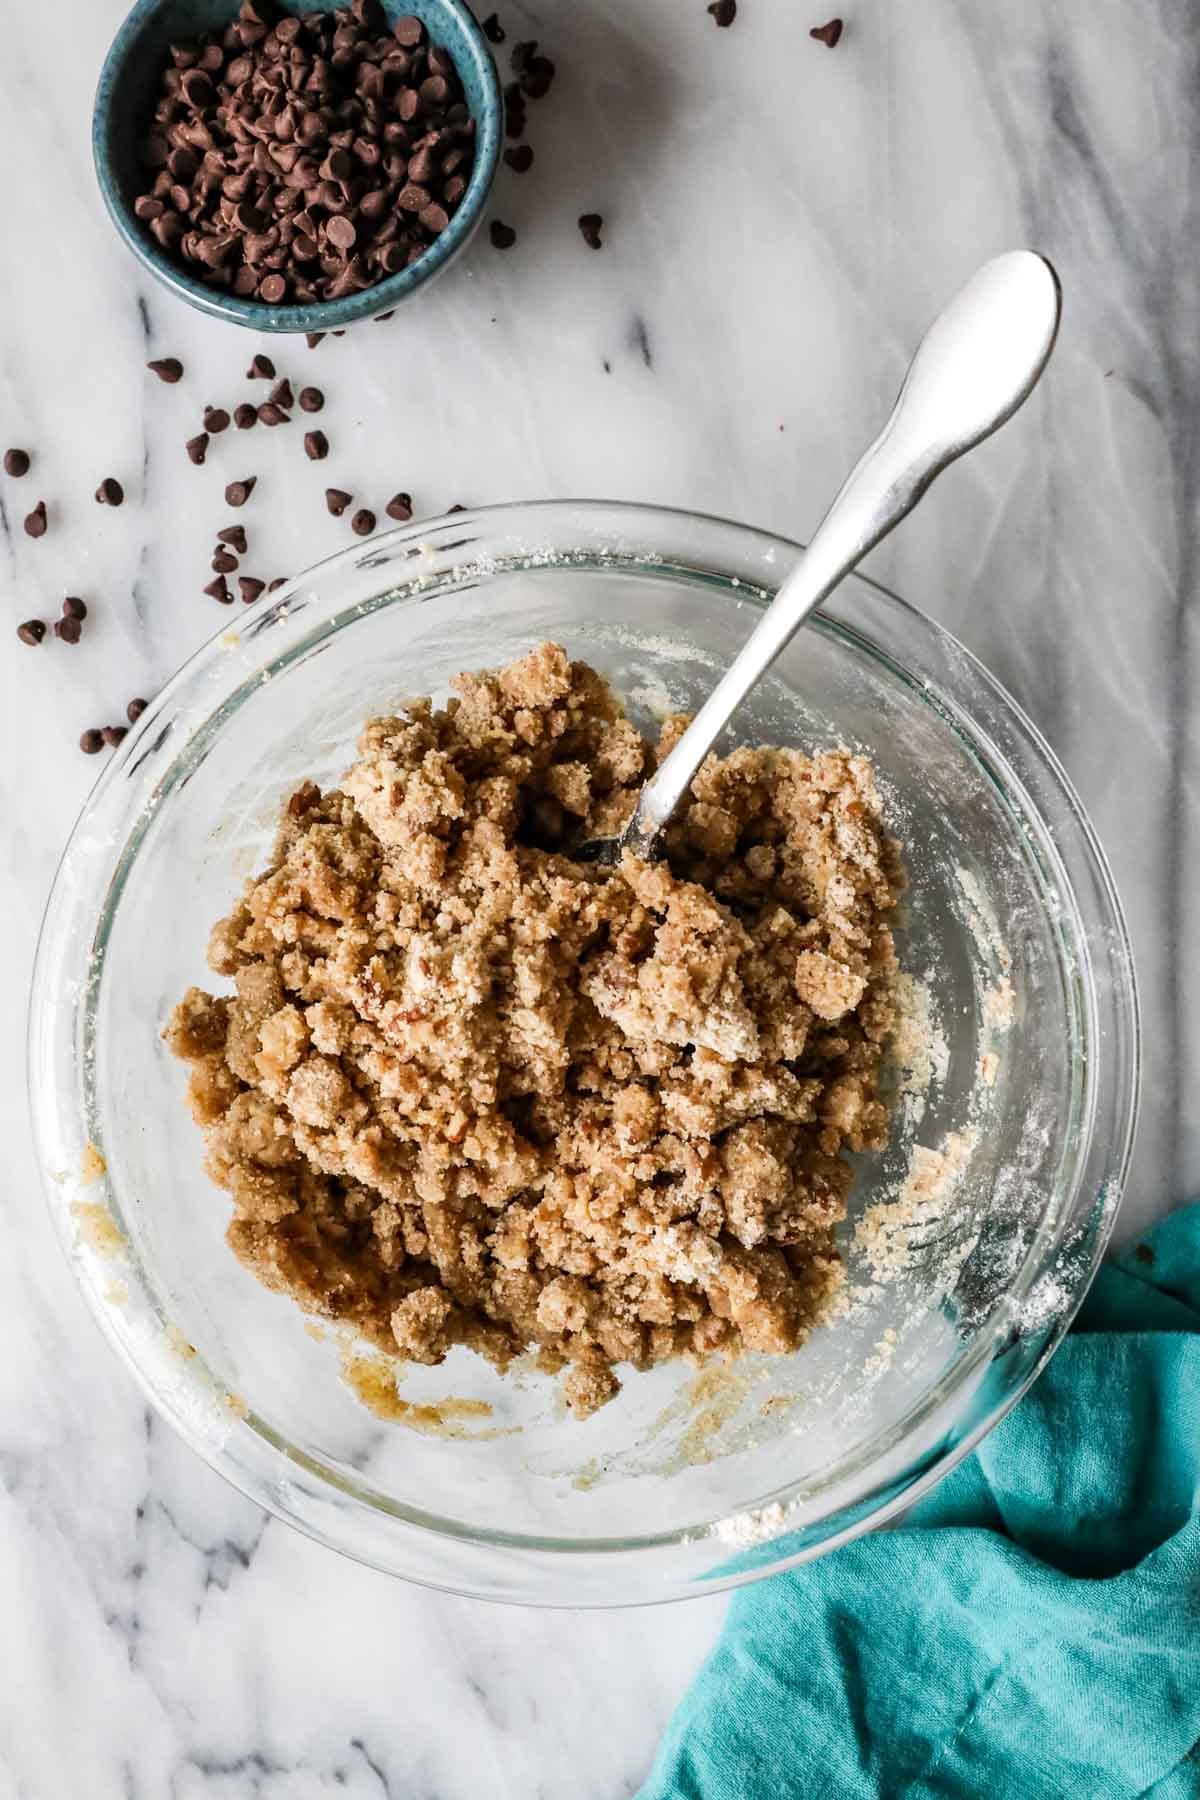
(468, 1091)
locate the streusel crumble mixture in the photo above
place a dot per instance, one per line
(471, 1092)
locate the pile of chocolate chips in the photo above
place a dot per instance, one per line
(302, 159)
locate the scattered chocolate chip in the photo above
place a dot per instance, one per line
(827, 34)
(36, 521)
(724, 11)
(337, 500)
(457, 507)
(219, 590)
(110, 492)
(313, 338)
(502, 236)
(68, 629)
(520, 158)
(382, 318)
(282, 395)
(197, 448)
(245, 415)
(270, 414)
(167, 368)
(216, 419)
(135, 709)
(363, 522)
(279, 581)
(74, 608)
(493, 30)
(316, 446)
(522, 54)
(223, 563)
(114, 735)
(238, 492)
(16, 463)
(91, 742)
(234, 536)
(311, 400)
(251, 587)
(590, 225)
(261, 369)
(32, 631)
(399, 507)
(536, 77)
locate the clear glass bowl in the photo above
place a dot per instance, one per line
(686, 1482)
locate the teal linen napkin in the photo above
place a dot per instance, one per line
(1033, 1629)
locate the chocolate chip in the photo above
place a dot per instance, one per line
(590, 225)
(32, 631)
(261, 369)
(74, 608)
(313, 338)
(16, 463)
(282, 395)
(399, 507)
(219, 590)
(363, 522)
(522, 55)
(519, 158)
(110, 492)
(270, 414)
(235, 537)
(457, 507)
(251, 587)
(216, 419)
(408, 31)
(272, 289)
(91, 742)
(36, 521)
(223, 563)
(724, 11)
(502, 236)
(828, 34)
(245, 415)
(316, 446)
(114, 735)
(167, 368)
(493, 30)
(311, 400)
(337, 501)
(197, 448)
(536, 77)
(238, 492)
(279, 581)
(68, 629)
(135, 709)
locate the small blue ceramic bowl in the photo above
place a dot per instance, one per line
(125, 99)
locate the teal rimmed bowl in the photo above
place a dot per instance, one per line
(125, 99)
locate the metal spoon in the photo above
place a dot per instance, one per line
(978, 361)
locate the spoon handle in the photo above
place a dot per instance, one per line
(975, 365)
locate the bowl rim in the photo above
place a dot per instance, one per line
(319, 315)
(653, 523)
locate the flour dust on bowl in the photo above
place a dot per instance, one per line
(969, 1241)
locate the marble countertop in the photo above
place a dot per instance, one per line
(780, 223)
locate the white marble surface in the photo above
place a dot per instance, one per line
(780, 223)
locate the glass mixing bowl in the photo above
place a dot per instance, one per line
(971, 1240)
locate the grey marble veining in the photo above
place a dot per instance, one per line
(781, 222)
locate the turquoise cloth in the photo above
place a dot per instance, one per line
(1033, 1629)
